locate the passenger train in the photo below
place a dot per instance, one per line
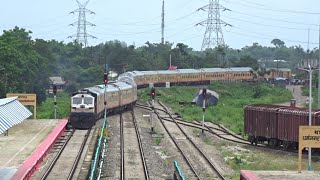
(87, 105)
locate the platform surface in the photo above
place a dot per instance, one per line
(20, 143)
(286, 175)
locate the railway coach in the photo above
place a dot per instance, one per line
(88, 105)
(276, 125)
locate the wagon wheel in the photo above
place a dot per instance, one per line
(286, 145)
(273, 143)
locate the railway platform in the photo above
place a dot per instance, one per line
(25, 144)
(276, 175)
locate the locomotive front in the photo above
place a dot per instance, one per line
(82, 115)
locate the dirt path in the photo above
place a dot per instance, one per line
(297, 95)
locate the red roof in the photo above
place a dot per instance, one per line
(172, 68)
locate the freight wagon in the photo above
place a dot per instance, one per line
(276, 125)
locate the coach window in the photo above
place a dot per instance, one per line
(76, 100)
(88, 100)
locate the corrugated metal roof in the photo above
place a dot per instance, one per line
(12, 112)
(57, 80)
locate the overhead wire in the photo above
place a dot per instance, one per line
(274, 10)
(273, 19)
(261, 24)
(268, 38)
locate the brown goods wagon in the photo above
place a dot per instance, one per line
(260, 120)
(290, 119)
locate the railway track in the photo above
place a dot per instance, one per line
(131, 149)
(69, 151)
(199, 163)
(217, 130)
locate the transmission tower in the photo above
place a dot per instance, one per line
(213, 35)
(82, 35)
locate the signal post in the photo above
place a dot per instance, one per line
(153, 95)
(204, 95)
(55, 101)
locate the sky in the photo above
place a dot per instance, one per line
(139, 21)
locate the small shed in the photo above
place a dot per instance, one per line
(12, 112)
(212, 98)
(57, 81)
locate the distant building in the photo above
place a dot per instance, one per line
(278, 72)
(57, 81)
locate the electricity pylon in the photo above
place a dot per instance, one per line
(82, 35)
(213, 36)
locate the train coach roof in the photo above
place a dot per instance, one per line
(233, 69)
(149, 72)
(242, 69)
(166, 72)
(137, 73)
(121, 85)
(299, 111)
(130, 74)
(264, 107)
(189, 70)
(281, 109)
(214, 70)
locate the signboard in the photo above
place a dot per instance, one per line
(27, 100)
(167, 84)
(309, 136)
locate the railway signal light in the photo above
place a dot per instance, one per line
(204, 92)
(153, 93)
(105, 78)
(54, 89)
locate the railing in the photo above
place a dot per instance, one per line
(177, 175)
(98, 149)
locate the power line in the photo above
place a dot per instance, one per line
(268, 38)
(82, 35)
(273, 19)
(274, 10)
(261, 24)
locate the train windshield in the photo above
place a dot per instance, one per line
(76, 100)
(88, 100)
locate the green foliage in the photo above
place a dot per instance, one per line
(157, 140)
(233, 98)
(46, 109)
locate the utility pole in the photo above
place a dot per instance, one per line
(318, 66)
(82, 35)
(54, 89)
(162, 24)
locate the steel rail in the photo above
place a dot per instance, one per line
(46, 174)
(194, 144)
(179, 148)
(145, 169)
(76, 162)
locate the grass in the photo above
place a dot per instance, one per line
(46, 109)
(157, 140)
(233, 98)
(255, 159)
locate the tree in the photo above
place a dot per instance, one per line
(278, 43)
(248, 61)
